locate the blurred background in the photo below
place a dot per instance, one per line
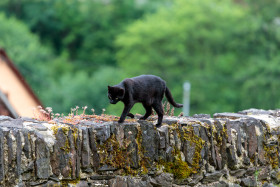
(70, 50)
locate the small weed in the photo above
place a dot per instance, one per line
(103, 111)
(42, 114)
(84, 110)
(257, 173)
(74, 117)
(92, 111)
(166, 109)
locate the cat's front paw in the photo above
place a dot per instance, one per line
(142, 118)
(158, 125)
(121, 121)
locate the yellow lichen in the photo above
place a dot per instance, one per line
(271, 154)
(66, 146)
(115, 155)
(55, 128)
(70, 164)
(143, 161)
(65, 182)
(178, 168)
(188, 135)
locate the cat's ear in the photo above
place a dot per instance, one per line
(109, 87)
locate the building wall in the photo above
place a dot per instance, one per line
(16, 92)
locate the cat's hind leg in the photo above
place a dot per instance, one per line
(159, 110)
(130, 115)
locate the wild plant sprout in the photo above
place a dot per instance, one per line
(72, 111)
(163, 105)
(167, 108)
(39, 113)
(57, 115)
(172, 112)
(103, 111)
(49, 109)
(43, 111)
(50, 114)
(84, 110)
(73, 117)
(42, 114)
(77, 109)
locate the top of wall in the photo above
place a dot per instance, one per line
(228, 148)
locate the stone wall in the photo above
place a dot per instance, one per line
(230, 149)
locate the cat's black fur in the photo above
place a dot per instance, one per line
(146, 89)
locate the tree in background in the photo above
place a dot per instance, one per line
(216, 45)
(79, 36)
(81, 89)
(227, 49)
(25, 49)
(85, 30)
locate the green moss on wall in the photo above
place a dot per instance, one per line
(178, 167)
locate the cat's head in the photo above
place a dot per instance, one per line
(115, 94)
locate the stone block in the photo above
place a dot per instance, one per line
(72, 153)
(238, 173)
(189, 148)
(212, 158)
(169, 154)
(13, 124)
(60, 157)
(118, 182)
(79, 152)
(2, 167)
(218, 158)
(232, 158)
(163, 136)
(263, 173)
(212, 177)
(5, 118)
(251, 137)
(18, 153)
(93, 147)
(249, 182)
(237, 125)
(85, 149)
(27, 145)
(149, 140)
(42, 162)
(164, 179)
(103, 132)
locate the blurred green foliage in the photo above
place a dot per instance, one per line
(228, 53)
(69, 51)
(26, 50)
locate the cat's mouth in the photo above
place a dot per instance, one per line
(114, 101)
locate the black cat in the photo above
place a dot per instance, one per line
(146, 89)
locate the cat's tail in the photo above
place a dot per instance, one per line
(171, 100)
